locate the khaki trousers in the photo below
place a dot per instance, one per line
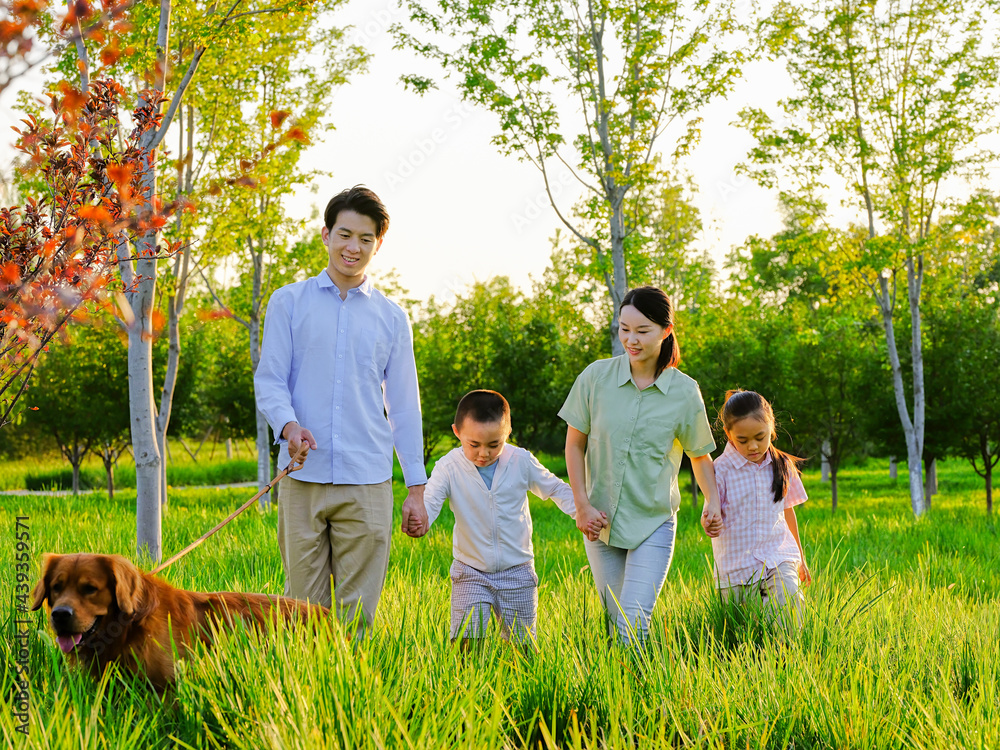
(338, 531)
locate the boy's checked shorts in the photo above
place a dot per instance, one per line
(511, 595)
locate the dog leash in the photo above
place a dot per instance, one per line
(294, 465)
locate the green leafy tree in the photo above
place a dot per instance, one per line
(628, 71)
(891, 100)
(80, 396)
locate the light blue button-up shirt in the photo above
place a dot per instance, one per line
(344, 370)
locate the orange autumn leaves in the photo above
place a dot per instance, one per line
(58, 252)
(248, 166)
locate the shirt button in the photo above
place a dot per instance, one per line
(338, 408)
(618, 484)
(631, 419)
(336, 435)
(338, 381)
(341, 330)
(621, 463)
(340, 356)
(626, 440)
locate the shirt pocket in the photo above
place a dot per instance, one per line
(364, 348)
(656, 437)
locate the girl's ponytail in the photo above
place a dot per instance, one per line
(784, 464)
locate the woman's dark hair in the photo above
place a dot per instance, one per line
(742, 404)
(655, 305)
(361, 200)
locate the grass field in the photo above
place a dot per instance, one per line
(211, 468)
(899, 648)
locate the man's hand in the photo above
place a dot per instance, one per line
(414, 513)
(711, 520)
(590, 521)
(296, 435)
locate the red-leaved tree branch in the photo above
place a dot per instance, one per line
(58, 251)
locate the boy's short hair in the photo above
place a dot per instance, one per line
(484, 407)
(361, 200)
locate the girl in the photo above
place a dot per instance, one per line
(758, 551)
(629, 418)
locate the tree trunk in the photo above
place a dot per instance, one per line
(930, 481)
(619, 279)
(833, 486)
(175, 307)
(229, 449)
(893, 468)
(107, 456)
(914, 447)
(989, 489)
(824, 461)
(263, 441)
(914, 281)
(75, 463)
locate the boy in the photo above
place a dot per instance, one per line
(337, 372)
(487, 482)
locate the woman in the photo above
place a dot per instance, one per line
(629, 419)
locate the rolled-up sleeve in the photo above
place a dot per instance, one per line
(273, 375)
(402, 405)
(575, 410)
(695, 434)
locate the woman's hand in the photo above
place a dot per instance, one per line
(590, 521)
(711, 520)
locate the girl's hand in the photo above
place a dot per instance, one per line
(590, 521)
(804, 575)
(711, 520)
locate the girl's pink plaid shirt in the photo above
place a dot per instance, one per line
(754, 536)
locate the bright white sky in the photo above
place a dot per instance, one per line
(460, 211)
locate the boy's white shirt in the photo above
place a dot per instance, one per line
(493, 525)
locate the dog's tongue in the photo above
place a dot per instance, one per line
(67, 642)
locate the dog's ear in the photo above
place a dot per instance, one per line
(41, 592)
(129, 584)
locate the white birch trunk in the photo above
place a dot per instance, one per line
(913, 449)
(620, 282)
(142, 409)
(824, 461)
(893, 468)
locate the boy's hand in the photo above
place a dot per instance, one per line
(805, 576)
(711, 520)
(414, 513)
(590, 521)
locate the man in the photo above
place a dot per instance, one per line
(337, 372)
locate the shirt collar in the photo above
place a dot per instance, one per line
(366, 287)
(471, 468)
(662, 381)
(740, 461)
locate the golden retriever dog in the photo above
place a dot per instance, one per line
(104, 609)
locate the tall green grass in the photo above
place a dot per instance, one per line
(898, 649)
